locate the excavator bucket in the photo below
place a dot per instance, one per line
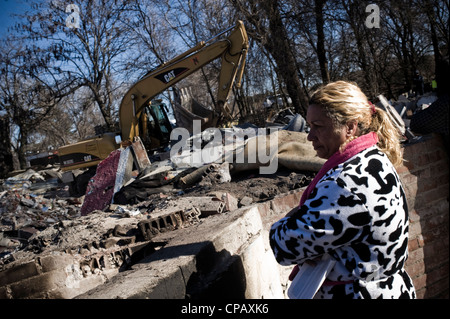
(186, 109)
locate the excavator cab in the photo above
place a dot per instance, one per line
(155, 126)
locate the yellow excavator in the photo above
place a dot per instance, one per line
(141, 115)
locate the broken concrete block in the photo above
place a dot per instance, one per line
(121, 241)
(165, 222)
(231, 202)
(208, 206)
(246, 201)
(221, 174)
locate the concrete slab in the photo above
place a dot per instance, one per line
(224, 256)
(193, 254)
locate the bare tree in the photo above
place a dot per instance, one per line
(6, 158)
(151, 36)
(410, 33)
(88, 40)
(269, 29)
(29, 92)
(321, 52)
(193, 21)
(437, 13)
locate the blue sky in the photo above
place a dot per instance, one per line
(8, 7)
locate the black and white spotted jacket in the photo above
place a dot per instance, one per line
(358, 214)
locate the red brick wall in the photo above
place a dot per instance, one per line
(425, 177)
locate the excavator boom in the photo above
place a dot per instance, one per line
(139, 116)
(232, 50)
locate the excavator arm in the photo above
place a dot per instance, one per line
(140, 116)
(232, 50)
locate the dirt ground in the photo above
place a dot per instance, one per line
(251, 184)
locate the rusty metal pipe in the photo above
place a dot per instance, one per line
(197, 175)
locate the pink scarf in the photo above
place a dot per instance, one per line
(354, 147)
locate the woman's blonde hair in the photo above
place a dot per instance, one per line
(344, 101)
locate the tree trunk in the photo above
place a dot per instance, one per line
(278, 46)
(321, 52)
(441, 66)
(6, 159)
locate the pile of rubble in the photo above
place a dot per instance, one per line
(30, 202)
(38, 215)
(26, 209)
(93, 248)
(407, 105)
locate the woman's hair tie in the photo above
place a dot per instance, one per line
(372, 108)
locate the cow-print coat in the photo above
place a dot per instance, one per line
(358, 214)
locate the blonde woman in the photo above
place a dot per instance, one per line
(354, 210)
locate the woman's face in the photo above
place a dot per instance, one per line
(325, 140)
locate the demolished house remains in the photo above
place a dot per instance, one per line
(180, 217)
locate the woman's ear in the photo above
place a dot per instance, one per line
(352, 128)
